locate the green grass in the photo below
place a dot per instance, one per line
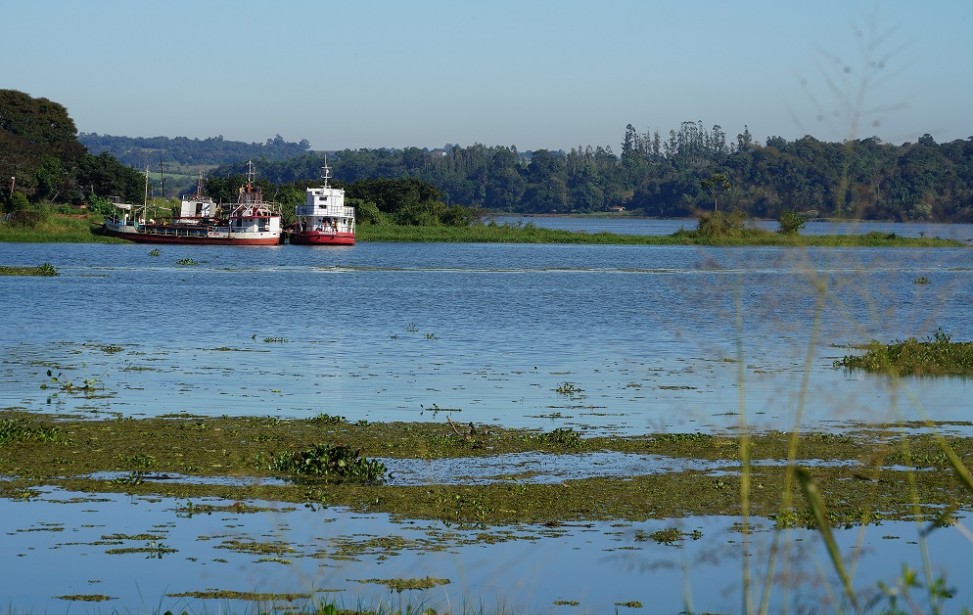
(56, 228)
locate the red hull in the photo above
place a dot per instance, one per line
(315, 238)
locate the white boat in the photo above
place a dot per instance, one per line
(324, 219)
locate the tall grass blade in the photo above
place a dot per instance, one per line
(814, 500)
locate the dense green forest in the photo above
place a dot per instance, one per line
(182, 152)
(691, 169)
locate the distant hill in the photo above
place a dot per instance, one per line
(189, 154)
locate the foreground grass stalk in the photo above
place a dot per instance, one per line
(744, 456)
(787, 501)
(816, 502)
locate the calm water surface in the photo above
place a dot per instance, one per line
(654, 338)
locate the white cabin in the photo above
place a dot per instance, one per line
(195, 207)
(325, 210)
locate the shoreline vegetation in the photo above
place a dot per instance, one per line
(61, 228)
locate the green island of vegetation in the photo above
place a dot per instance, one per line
(935, 356)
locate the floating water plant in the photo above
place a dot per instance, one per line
(401, 585)
(327, 419)
(562, 437)
(568, 388)
(20, 430)
(338, 463)
(87, 385)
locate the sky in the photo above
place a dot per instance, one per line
(534, 74)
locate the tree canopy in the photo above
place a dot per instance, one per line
(42, 159)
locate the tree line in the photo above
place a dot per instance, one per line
(142, 152)
(691, 169)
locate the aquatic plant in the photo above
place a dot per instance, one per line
(187, 262)
(138, 464)
(562, 437)
(67, 386)
(934, 356)
(568, 389)
(22, 430)
(327, 419)
(335, 463)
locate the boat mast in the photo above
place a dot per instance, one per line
(145, 197)
(325, 172)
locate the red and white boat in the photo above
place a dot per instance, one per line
(324, 219)
(251, 222)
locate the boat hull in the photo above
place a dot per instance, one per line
(233, 239)
(318, 238)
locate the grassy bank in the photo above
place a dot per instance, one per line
(534, 234)
(77, 229)
(57, 228)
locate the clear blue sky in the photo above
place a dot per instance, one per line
(534, 74)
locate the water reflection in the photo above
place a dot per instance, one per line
(155, 553)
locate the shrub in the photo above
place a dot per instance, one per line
(721, 224)
(791, 222)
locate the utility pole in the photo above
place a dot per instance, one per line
(13, 184)
(162, 175)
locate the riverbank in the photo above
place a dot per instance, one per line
(81, 229)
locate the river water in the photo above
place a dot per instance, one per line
(649, 338)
